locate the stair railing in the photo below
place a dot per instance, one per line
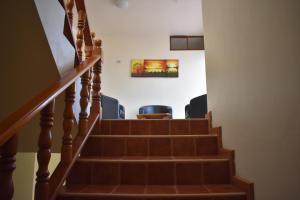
(88, 69)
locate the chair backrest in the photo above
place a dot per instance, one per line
(122, 111)
(155, 109)
(198, 106)
(110, 107)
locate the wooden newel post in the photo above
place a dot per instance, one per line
(7, 167)
(68, 123)
(44, 152)
(96, 98)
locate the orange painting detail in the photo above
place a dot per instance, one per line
(154, 68)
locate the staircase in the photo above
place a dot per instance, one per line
(155, 159)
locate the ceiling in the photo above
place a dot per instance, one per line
(143, 17)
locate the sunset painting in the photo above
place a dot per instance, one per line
(154, 68)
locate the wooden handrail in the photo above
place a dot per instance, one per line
(10, 126)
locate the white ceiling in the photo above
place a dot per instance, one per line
(142, 17)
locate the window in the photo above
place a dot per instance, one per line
(178, 42)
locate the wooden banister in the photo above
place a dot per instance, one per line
(11, 125)
(88, 69)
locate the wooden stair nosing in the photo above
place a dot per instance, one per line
(145, 160)
(154, 136)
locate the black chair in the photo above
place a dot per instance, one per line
(111, 109)
(152, 109)
(197, 107)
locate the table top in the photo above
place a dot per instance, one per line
(154, 116)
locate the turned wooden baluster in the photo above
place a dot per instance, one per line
(80, 35)
(68, 123)
(7, 167)
(69, 8)
(84, 100)
(96, 102)
(88, 53)
(44, 152)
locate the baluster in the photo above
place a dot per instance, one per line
(80, 35)
(70, 5)
(88, 53)
(84, 100)
(7, 167)
(44, 152)
(68, 123)
(93, 35)
(96, 101)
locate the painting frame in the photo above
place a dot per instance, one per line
(168, 68)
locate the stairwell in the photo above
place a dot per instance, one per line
(155, 159)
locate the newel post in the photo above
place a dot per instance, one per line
(7, 167)
(44, 152)
(96, 98)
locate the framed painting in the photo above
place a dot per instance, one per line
(154, 68)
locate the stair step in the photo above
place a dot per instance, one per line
(152, 172)
(151, 145)
(153, 127)
(122, 192)
(159, 159)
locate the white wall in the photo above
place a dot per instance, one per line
(253, 84)
(135, 92)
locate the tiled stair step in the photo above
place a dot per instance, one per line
(150, 172)
(151, 145)
(153, 127)
(128, 192)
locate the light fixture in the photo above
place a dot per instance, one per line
(121, 3)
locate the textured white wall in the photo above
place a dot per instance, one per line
(253, 68)
(135, 92)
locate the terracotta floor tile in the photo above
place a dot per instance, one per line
(199, 126)
(231, 198)
(105, 174)
(191, 189)
(92, 147)
(137, 147)
(179, 127)
(130, 189)
(159, 127)
(189, 173)
(140, 127)
(183, 147)
(99, 189)
(159, 147)
(160, 189)
(216, 172)
(104, 127)
(80, 173)
(207, 146)
(133, 174)
(222, 188)
(161, 174)
(119, 127)
(113, 146)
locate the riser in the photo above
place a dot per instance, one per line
(153, 127)
(151, 173)
(156, 198)
(151, 146)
